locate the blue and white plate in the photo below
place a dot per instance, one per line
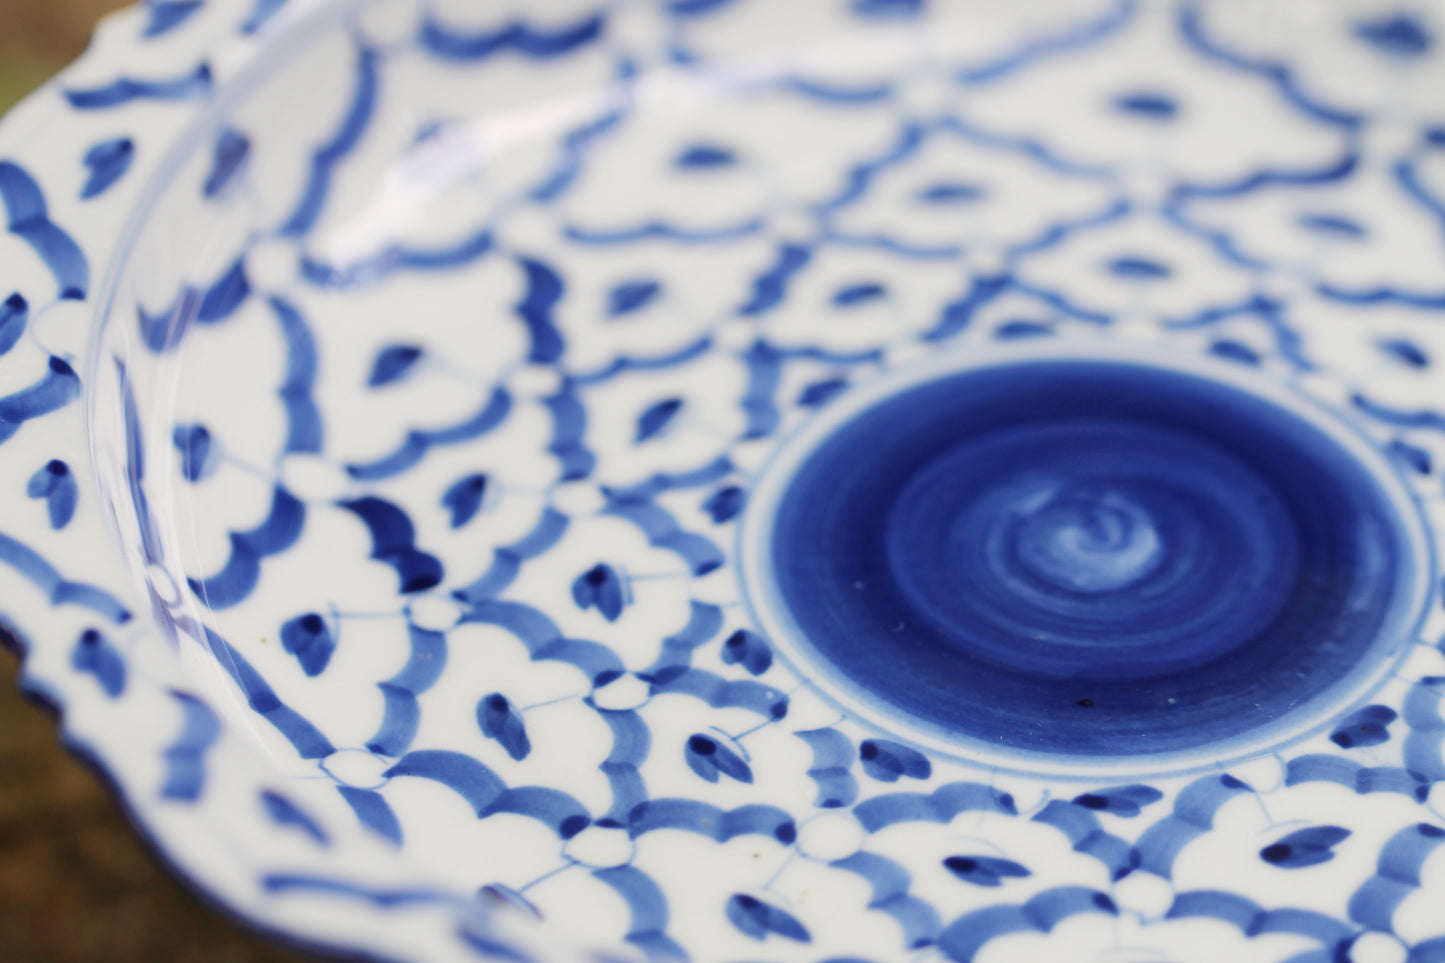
(746, 480)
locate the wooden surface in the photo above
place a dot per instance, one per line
(76, 883)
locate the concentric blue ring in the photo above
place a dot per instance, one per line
(1085, 558)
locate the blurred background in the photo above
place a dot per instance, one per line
(76, 883)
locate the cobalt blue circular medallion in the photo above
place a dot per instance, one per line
(1069, 559)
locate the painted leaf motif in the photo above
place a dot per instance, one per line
(705, 157)
(13, 315)
(984, 870)
(602, 588)
(55, 483)
(108, 161)
(464, 498)
(656, 418)
(709, 758)
(725, 503)
(1124, 801)
(196, 450)
(232, 149)
(631, 296)
(308, 637)
(393, 363)
(888, 761)
(749, 650)
(820, 393)
(1368, 726)
(93, 654)
(501, 721)
(757, 919)
(1305, 847)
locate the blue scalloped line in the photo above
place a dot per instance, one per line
(1192, 31)
(1397, 876)
(833, 755)
(1076, 39)
(334, 150)
(647, 905)
(414, 447)
(28, 218)
(123, 90)
(544, 641)
(971, 932)
(1086, 835)
(1253, 920)
(919, 921)
(1192, 817)
(185, 757)
(939, 806)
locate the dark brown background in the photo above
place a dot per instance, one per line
(76, 883)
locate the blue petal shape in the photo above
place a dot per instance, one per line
(1148, 104)
(309, 638)
(705, 157)
(724, 504)
(93, 654)
(630, 296)
(392, 364)
(55, 483)
(1406, 352)
(887, 761)
(656, 418)
(108, 161)
(757, 919)
(14, 314)
(861, 293)
(1124, 801)
(1410, 457)
(1138, 268)
(708, 758)
(464, 498)
(1305, 847)
(749, 650)
(231, 150)
(601, 587)
(1232, 350)
(500, 720)
(984, 870)
(951, 192)
(819, 393)
(1332, 225)
(1398, 35)
(1364, 727)
(194, 444)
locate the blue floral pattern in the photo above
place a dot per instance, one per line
(434, 375)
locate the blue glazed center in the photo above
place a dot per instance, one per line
(1100, 558)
